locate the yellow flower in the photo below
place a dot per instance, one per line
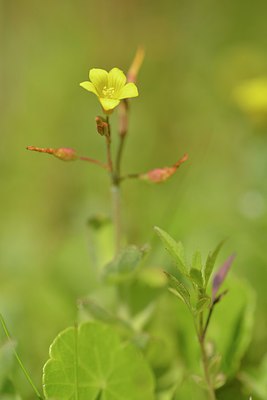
(110, 87)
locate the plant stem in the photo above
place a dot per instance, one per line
(93, 161)
(19, 360)
(119, 156)
(108, 141)
(205, 363)
(204, 357)
(116, 210)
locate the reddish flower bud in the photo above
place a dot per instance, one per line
(63, 153)
(102, 126)
(159, 175)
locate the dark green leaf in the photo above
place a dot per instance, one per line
(91, 359)
(175, 249)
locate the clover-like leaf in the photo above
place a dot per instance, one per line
(90, 362)
(175, 249)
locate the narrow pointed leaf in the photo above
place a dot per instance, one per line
(179, 289)
(208, 267)
(197, 260)
(196, 277)
(202, 304)
(175, 249)
(91, 362)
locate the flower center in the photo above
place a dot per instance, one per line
(108, 92)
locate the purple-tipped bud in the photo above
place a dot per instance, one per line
(221, 275)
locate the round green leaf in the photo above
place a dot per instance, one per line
(90, 362)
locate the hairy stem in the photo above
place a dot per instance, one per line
(19, 360)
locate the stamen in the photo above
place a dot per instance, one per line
(108, 92)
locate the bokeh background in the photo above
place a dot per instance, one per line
(202, 91)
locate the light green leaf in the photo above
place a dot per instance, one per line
(90, 362)
(256, 379)
(196, 276)
(177, 288)
(6, 360)
(175, 249)
(197, 260)
(124, 265)
(232, 324)
(208, 267)
(202, 304)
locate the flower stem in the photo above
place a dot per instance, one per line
(19, 360)
(116, 211)
(93, 161)
(108, 141)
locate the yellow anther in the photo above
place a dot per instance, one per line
(108, 92)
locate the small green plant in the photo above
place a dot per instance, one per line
(130, 341)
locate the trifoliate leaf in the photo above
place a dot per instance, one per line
(90, 362)
(175, 249)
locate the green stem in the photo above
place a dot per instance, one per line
(119, 156)
(19, 360)
(204, 357)
(116, 209)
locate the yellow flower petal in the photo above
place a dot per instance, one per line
(99, 78)
(116, 80)
(89, 86)
(128, 91)
(109, 104)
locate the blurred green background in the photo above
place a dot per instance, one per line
(197, 95)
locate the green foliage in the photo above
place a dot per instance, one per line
(175, 249)
(124, 266)
(6, 360)
(255, 380)
(210, 263)
(179, 289)
(91, 362)
(232, 325)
